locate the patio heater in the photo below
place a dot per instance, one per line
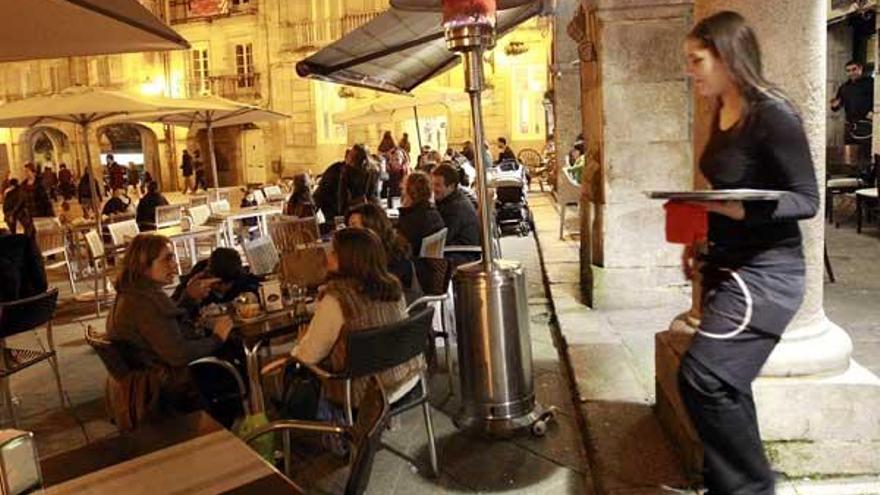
(491, 304)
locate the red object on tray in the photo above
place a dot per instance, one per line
(685, 223)
(457, 10)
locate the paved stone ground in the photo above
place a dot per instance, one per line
(553, 464)
(612, 358)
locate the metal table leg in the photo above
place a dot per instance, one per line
(858, 213)
(252, 360)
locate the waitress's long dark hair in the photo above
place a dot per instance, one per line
(729, 38)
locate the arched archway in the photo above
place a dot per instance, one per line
(45, 145)
(130, 143)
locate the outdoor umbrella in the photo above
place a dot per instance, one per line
(63, 28)
(82, 106)
(207, 112)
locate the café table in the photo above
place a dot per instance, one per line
(190, 454)
(259, 212)
(256, 332)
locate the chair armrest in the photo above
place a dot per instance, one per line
(425, 300)
(213, 361)
(295, 425)
(321, 372)
(462, 249)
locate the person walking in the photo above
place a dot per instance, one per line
(754, 273)
(66, 184)
(186, 166)
(50, 182)
(199, 167)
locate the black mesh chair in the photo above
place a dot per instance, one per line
(22, 316)
(364, 437)
(374, 350)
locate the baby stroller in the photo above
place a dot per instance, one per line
(512, 214)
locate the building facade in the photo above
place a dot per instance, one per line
(246, 50)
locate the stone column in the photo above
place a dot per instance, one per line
(566, 82)
(637, 111)
(814, 403)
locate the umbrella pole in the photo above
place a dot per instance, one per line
(418, 128)
(96, 201)
(210, 132)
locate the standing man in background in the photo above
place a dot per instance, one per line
(856, 97)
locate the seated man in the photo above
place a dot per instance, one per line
(457, 210)
(230, 280)
(119, 203)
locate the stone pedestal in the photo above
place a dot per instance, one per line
(817, 409)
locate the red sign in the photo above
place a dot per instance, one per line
(207, 7)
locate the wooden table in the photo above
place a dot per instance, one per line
(188, 454)
(254, 334)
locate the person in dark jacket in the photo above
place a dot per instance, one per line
(146, 209)
(36, 199)
(459, 214)
(84, 193)
(22, 273)
(15, 212)
(418, 217)
(326, 196)
(186, 167)
(230, 280)
(66, 186)
(754, 273)
(156, 337)
(504, 153)
(359, 182)
(49, 180)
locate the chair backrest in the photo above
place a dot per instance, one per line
(273, 193)
(50, 235)
(262, 255)
(200, 214)
(432, 245)
(220, 206)
(289, 233)
(27, 314)
(95, 244)
(107, 352)
(377, 349)
(306, 266)
(198, 200)
(433, 274)
(259, 197)
(169, 215)
(366, 435)
(122, 232)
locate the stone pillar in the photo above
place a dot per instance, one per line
(637, 113)
(816, 407)
(566, 82)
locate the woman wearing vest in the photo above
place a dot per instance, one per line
(754, 273)
(359, 294)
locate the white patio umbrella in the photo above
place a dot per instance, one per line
(35, 29)
(207, 112)
(385, 108)
(82, 106)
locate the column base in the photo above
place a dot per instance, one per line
(811, 425)
(638, 287)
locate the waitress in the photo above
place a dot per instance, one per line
(754, 272)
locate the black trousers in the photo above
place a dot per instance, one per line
(734, 462)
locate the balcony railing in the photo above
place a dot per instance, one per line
(200, 10)
(244, 88)
(309, 34)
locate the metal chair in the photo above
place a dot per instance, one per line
(262, 256)
(433, 244)
(122, 232)
(21, 316)
(535, 164)
(98, 259)
(259, 197)
(168, 216)
(273, 193)
(52, 241)
(198, 200)
(364, 435)
(374, 350)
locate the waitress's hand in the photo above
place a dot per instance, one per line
(730, 209)
(223, 327)
(688, 262)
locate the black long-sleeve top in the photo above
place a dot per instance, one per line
(769, 150)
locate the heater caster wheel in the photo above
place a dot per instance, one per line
(539, 426)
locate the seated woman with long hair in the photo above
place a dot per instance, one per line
(359, 294)
(397, 249)
(155, 337)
